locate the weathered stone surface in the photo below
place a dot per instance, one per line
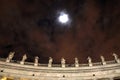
(43, 72)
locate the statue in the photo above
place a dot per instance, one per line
(89, 61)
(76, 62)
(63, 62)
(50, 62)
(103, 60)
(116, 58)
(11, 55)
(23, 59)
(36, 61)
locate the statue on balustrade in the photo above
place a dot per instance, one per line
(23, 59)
(76, 62)
(36, 61)
(89, 61)
(116, 58)
(103, 60)
(63, 62)
(11, 55)
(50, 62)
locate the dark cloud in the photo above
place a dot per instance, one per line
(30, 26)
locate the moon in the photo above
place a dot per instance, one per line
(63, 18)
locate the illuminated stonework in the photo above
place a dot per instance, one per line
(104, 70)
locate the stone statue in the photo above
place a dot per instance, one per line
(63, 62)
(89, 61)
(116, 58)
(11, 55)
(76, 62)
(50, 62)
(103, 60)
(36, 61)
(23, 59)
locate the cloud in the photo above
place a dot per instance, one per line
(29, 28)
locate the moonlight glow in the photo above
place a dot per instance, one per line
(63, 18)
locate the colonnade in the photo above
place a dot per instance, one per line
(63, 61)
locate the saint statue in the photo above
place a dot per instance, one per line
(103, 60)
(11, 55)
(116, 58)
(76, 62)
(89, 61)
(63, 62)
(23, 59)
(50, 61)
(36, 61)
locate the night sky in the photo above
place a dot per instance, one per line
(31, 27)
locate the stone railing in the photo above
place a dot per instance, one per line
(63, 61)
(22, 70)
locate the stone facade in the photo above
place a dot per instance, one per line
(27, 71)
